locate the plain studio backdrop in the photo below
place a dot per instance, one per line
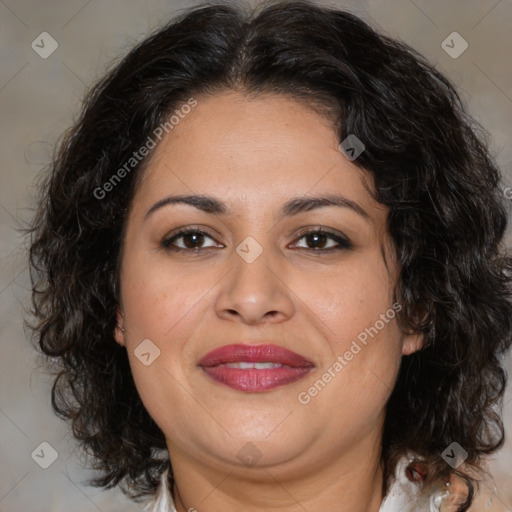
(41, 86)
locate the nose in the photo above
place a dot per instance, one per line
(256, 292)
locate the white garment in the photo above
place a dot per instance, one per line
(403, 495)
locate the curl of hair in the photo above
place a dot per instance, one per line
(430, 166)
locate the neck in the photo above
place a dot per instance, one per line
(351, 482)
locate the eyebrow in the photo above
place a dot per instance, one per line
(294, 206)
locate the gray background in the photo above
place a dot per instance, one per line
(39, 99)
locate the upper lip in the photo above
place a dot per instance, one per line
(254, 354)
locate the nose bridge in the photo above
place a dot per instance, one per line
(254, 291)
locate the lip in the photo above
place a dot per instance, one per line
(294, 366)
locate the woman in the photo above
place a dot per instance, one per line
(268, 266)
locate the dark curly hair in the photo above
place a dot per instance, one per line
(430, 165)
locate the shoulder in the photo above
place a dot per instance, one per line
(162, 500)
(408, 494)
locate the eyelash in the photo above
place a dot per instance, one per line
(343, 243)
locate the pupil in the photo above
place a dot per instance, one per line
(197, 238)
(317, 237)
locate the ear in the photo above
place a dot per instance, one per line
(119, 331)
(412, 343)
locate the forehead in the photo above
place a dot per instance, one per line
(254, 151)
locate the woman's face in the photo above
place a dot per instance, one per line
(255, 279)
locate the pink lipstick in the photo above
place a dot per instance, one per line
(254, 368)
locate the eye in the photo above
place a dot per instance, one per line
(192, 239)
(317, 239)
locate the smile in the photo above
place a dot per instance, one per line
(254, 368)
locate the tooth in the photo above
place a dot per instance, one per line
(264, 366)
(243, 365)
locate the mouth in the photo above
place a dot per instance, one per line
(254, 368)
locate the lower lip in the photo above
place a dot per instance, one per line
(253, 380)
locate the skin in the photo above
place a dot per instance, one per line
(254, 155)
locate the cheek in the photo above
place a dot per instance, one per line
(351, 391)
(159, 301)
(161, 308)
(347, 302)
(355, 313)
(165, 308)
